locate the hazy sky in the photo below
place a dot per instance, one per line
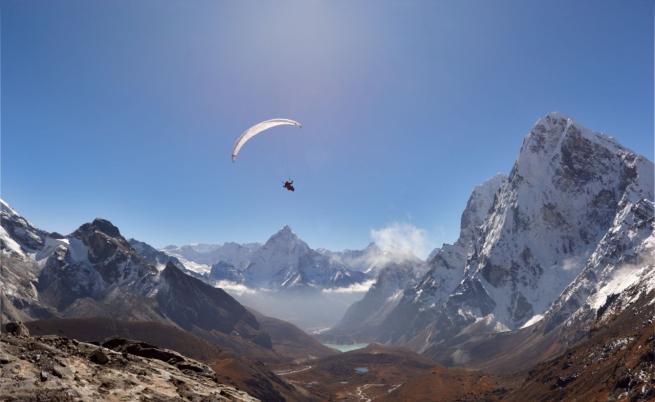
(128, 110)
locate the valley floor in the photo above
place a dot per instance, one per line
(383, 373)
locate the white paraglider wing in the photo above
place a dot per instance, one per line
(258, 128)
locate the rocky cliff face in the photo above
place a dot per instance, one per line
(575, 209)
(448, 263)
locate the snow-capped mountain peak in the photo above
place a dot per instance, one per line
(575, 200)
(558, 142)
(562, 196)
(285, 237)
(6, 208)
(17, 234)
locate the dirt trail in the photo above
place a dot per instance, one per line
(292, 371)
(360, 391)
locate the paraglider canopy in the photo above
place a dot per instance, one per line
(257, 129)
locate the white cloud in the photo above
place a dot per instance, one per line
(574, 263)
(354, 288)
(234, 288)
(402, 238)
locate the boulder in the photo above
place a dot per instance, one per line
(17, 329)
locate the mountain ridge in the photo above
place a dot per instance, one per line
(575, 209)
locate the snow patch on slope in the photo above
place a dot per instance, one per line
(191, 265)
(622, 279)
(9, 243)
(79, 252)
(535, 319)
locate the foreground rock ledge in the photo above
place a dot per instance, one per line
(53, 368)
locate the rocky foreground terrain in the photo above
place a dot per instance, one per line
(54, 368)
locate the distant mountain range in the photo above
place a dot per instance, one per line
(96, 272)
(286, 278)
(201, 257)
(283, 262)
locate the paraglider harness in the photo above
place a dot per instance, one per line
(289, 185)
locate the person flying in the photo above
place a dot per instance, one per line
(288, 184)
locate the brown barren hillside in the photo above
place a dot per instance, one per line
(98, 329)
(290, 341)
(616, 362)
(451, 384)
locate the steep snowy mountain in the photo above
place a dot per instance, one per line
(575, 211)
(447, 263)
(569, 189)
(286, 262)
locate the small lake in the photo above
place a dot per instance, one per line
(361, 370)
(346, 347)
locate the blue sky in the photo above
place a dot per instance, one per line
(128, 110)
